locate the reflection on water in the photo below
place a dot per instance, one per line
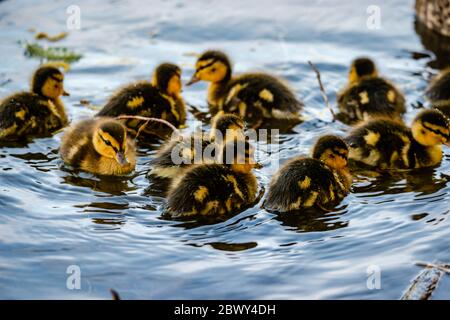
(439, 45)
(53, 216)
(313, 220)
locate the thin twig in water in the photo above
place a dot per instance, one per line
(443, 267)
(147, 120)
(322, 90)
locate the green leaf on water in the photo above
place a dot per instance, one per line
(34, 50)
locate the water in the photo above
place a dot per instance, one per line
(51, 218)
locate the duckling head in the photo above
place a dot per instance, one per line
(331, 150)
(431, 127)
(48, 81)
(238, 154)
(212, 66)
(167, 78)
(362, 67)
(110, 140)
(226, 126)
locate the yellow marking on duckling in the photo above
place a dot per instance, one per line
(391, 96)
(201, 193)
(242, 109)
(364, 97)
(434, 127)
(76, 147)
(331, 193)
(211, 205)
(135, 102)
(305, 184)
(8, 131)
(232, 179)
(296, 205)
(202, 63)
(234, 91)
(394, 158)
(173, 106)
(311, 200)
(20, 114)
(405, 149)
(266, 95)
(372, 138)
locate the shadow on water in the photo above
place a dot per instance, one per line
(422, 181)
(117, 186)
(313, 220)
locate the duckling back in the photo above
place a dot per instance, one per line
(371, 98)
(303, 183)
(210, 190)
(186, 151)
(26, 113)
(143, 99)
(261, 96)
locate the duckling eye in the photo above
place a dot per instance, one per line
(422, 131)
(213, 69)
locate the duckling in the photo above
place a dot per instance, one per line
(196, 148)
(368, 95)
(159, 99)
(438, 92)
(387, 144)
(216, 189)
(256, 97)
(99, 146)
(39, 112)
(320, 181)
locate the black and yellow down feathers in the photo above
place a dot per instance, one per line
(211, 190)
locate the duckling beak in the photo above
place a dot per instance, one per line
(121, 159)
(65, 93)
(193, 80)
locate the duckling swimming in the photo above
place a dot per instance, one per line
(159, 99)
(388, 144)
(196, 148)
(39, 112)
(438, 92)
(320, 181)
(256, 97)
(216, 189)
(99, 146)
(368, 96)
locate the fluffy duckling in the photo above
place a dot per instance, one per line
(38, 112)
(99, 146)
(438, 92)
(216, 189)
(388, 144)
(368, 95)
(196, 148)
(256, 97)
(320, 181)
(159, 99)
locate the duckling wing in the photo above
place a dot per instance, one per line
(262, 91)
(302, 183)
